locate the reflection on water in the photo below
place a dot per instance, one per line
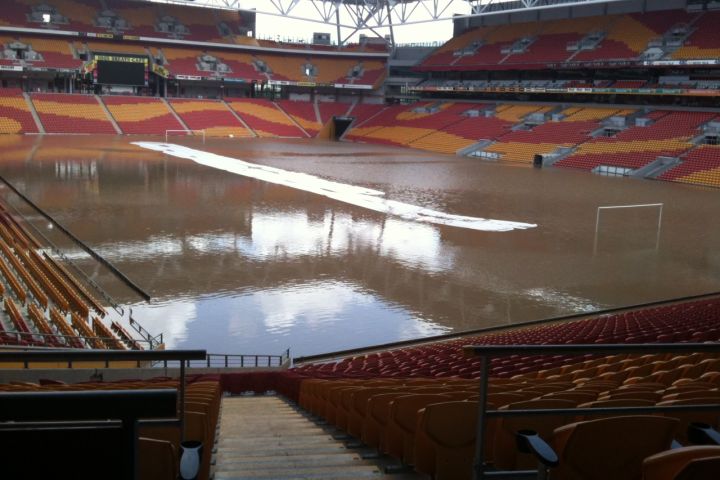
(310, 318)
(236, 265)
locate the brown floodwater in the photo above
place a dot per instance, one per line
(238, 265)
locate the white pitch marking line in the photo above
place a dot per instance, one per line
(351, 194)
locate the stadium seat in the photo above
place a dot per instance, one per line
(612, 447)
(696, 463)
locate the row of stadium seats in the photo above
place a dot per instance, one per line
(15, 116)
(127, 17)
(443, 127)
(695, 321)
(538, 44)
(555, 84)
(131, 18)
(45, 304)
(431, 424)
(412, 403)
(62, 113)
(189, 61)
(511, 134)
(158, 446)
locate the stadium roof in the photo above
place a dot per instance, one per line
(393, 12)
(372, 15)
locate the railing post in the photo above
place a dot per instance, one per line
(242, 361)
(479, 461)
(182, 400)
(256, 361)
(208, 361)
(226, 361)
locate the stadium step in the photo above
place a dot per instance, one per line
(264, 437)
(239, 119)
(33, 112)
(109, 115)
(174, 113)
(292, 120)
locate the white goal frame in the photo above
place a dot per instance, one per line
(191, 132)
(615, 207)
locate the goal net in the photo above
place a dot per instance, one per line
(176, 135)
(628, 226)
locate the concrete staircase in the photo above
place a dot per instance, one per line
(265, 437)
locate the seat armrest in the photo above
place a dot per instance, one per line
(703, 434)
(528, 441)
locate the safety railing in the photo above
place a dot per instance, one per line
(34, 415)
(107, 356)
(488, 352)
(153, 341)
(24, 339)
(221, 360)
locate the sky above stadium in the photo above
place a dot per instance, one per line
(276, 27)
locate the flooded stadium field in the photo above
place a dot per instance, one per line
(235, 264)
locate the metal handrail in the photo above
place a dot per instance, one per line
(147, 336)
(224, 360)
(19, 336)
(487, 352)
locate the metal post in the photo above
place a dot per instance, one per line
(479, 462)
(337, 22)
(182, 400)
(657, 240)
(129, 432)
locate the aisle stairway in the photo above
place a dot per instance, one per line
(265, 437)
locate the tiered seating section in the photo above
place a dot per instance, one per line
(573, 129)
(45, 305)
(419, 403)
(540, 44)
(158, 446)
(704, 42)
(61, 113)
(509, 132)
(15, 116)
(141, 115)
(265, 118)
(669, 135)
(303, 113)
(700, 166)
(410, 125)
(212, 116)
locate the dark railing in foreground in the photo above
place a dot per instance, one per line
(487, 352)
(210, 360)
(134, 403)
(87, 410)
(107, 356)
(222, 360)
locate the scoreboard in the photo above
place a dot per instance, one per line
(113, 69)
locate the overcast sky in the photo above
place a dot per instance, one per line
(269, 25)
(272, 26)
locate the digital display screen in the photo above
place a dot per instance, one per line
(121, 73)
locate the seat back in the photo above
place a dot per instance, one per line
(667, 465)
(445, 439)
(611, 448)
(157, 460)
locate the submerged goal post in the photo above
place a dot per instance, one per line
(659, 206)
